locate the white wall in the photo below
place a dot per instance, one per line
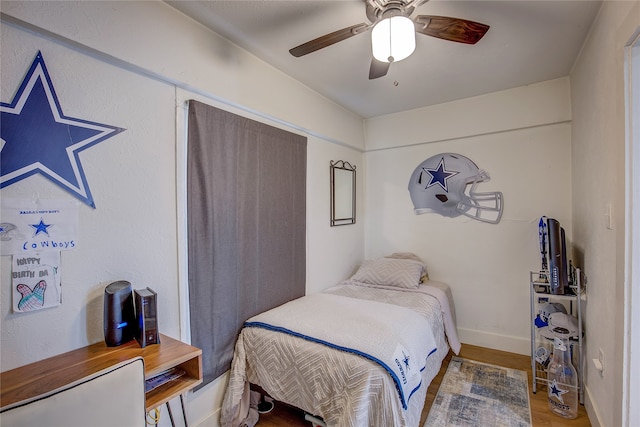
(132, 65)
(131, 234)
(522, 138)
(598, 159)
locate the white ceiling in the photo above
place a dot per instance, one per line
(529, 41)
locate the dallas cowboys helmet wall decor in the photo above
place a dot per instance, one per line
(446, 184)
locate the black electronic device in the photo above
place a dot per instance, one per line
(558, 274)
(565, 265)
(147, 317)
(119, 314)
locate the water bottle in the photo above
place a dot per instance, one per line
(562, 381)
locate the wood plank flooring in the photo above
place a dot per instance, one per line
(284, 416)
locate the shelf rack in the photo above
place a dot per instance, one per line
(539, 294)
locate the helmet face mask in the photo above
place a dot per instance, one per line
(447, 183)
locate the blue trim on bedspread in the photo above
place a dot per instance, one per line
(374, 359)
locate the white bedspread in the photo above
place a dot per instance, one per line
(396, 338)
(438, 290)
(344, 389)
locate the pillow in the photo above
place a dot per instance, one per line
(403, 273)
(409, 255)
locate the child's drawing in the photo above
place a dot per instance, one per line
(32, 299)
(36, 281)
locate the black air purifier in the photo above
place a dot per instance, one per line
(119, 315)
(558, 274)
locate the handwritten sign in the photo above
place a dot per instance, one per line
(35, 280)
(41, 226)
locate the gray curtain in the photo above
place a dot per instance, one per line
(246, 226)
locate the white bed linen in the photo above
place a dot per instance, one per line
(398, 339)
(342, 388)
(438, 290)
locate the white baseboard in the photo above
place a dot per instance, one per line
(495, 341)
(592, 410)
(205, 404)
(212, 420)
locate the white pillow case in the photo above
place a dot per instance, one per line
(411, 255)
(403, 273)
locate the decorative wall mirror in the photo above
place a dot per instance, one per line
(343, 193)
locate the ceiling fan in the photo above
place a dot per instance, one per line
(389, 20)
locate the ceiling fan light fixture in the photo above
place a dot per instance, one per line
(393, 39)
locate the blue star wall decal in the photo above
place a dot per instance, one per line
(37, 137)
(440, 175)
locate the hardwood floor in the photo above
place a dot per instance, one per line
(282, 415)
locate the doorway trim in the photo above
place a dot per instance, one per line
(631, 364)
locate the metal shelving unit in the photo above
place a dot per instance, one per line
(540, 294)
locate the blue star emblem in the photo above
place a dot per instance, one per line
(556, 391)
(36, 137)
(440, 175)
(405, 360)
(41, 227)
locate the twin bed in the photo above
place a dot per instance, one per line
(361, 353)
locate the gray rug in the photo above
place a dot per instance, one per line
(479, 394)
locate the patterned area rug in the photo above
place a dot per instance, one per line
(479, 394)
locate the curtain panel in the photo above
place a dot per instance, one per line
(246, 218)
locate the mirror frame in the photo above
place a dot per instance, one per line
(341, 166)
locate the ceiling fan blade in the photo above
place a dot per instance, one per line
(328, 39)
(452, 29)
(378, 69)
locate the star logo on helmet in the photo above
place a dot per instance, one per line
(439, 176)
